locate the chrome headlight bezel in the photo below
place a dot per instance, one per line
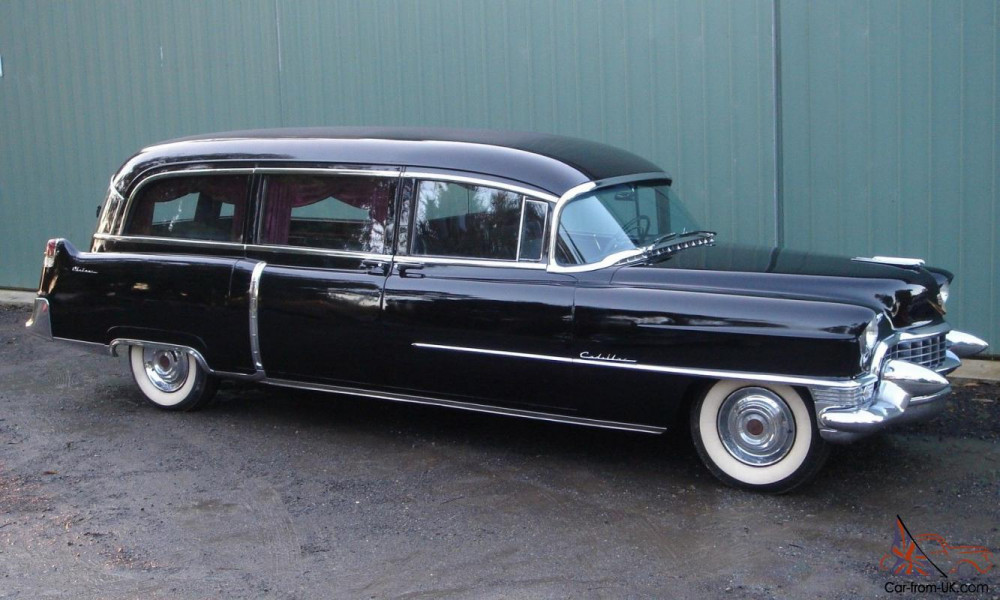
(868, 339)
(943, 292)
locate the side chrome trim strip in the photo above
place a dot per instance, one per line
(318, 251)
(469, 406)
(150, 239)
(254, 293)
(412, 259)
(480, 181)
(381, 172)
(715, 374)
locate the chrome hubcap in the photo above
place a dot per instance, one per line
(756, 426)
(166, 369)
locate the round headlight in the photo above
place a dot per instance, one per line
(943, 293)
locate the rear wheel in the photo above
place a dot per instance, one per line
(757, 436)
(171, 379)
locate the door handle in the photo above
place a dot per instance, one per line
(406, 268)
(375, 267)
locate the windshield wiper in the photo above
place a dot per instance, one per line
(677, 242)
(660, 242)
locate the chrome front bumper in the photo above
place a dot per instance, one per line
(902, 392)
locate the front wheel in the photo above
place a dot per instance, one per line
(757, 436)
(171, 379)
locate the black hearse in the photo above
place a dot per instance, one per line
(518, 274)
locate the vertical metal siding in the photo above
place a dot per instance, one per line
(889, 108)
(86, 84)
(890, 138)
(686, 84)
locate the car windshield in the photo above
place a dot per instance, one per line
(620, 220)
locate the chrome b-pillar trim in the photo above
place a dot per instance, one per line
(254, 294)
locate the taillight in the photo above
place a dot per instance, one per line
(50, 253)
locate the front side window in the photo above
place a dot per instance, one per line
(202, 207)
(468, 221)
(338, 212)
(618, 219)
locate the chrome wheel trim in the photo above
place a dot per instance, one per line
(756, 426)
(167, 370)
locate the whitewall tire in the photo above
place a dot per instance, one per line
(757, 436)
(171, 379)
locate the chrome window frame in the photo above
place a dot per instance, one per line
(120, 236)
(398, 172)
(195, 172)
(545, 225)
(260, 198)
(583, 188)
(527, 195)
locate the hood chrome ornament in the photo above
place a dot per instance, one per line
(896, 261)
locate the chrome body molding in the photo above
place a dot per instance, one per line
(849, 384)
(254, 295)
(378, 172)
(897, 261)
(468, 406)
(465, 262)
(238, 247)
(241, 248)
(517, 189)
(152, 239)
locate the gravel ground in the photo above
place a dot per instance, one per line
(273, 493)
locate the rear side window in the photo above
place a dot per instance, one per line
(467, 221)
(334, 212)
(203, 207)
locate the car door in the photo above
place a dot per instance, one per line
(470, 310)
(323, 235)
(166, 274)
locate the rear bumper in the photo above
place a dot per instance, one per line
(40, 323)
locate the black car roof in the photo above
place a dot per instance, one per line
(547, 162)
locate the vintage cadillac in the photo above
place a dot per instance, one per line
(516, 274)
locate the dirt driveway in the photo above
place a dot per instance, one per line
(273, 493)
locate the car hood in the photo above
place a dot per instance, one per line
(793, 274)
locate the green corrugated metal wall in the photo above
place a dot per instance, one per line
(890, 112)
(887, 110)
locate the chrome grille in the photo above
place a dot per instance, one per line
(926, 351)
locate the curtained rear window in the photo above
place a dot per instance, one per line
(341, 212)
(202, 207)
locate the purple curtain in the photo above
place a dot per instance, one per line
(285, 193)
